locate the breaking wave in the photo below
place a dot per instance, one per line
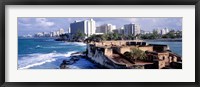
(73, 43)
(36, 59)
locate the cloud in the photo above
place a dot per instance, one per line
(133, 20)
(43, 22)
(24, 24)
(33, 25)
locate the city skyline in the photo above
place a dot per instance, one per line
(32, 25)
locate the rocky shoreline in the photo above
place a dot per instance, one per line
(76, 57)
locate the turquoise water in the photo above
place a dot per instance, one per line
(175, 47)
(45, 53)
(49, 54)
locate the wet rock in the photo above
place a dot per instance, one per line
(64, 64)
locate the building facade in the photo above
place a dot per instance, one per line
(61, 31)
(131, 29)
(105, 28)
(88, 27)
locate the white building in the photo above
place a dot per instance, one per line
(158, 31)
(61, 31)
(68, 30)
(166, 30)
(105, 28)
(163, 31)
(130, 29)
(57, 33)
(87, 26)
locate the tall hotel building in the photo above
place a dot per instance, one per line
(87, 26)
(131, 29)
(105, 28)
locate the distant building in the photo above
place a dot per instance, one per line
(116, 31)
(51, 34)
(61, 31)
(54, 34)
(130, 29)
(98, 29)
(57, 33)
(114, 27)
(119, 30)
(68, 30)
(27, 36)
(142, 32)
(163, 31)
(87, 26)
(158, 31)
(166, 30)
(105, 28)
(147, 32)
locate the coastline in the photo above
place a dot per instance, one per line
(165, 40)
(57, 50)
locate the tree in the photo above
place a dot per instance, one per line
(79, 36)
(64, 36)
(135, 54)
(95, 38)
(171, 34)
(179, 34)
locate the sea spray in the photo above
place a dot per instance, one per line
(36, 59)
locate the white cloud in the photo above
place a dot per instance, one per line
(133, 20)
(24, 24)
(43, 22)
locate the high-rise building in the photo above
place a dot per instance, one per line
(51, 34)
(158, 30)
(114, 27)
(163, 31)
(166, 30)
(142, 32)
(57, 33)
(105, 28)
(54, 34)
(119, 30)
(68, 30)
(131, 29)
(87, 26)
(61, 31)
(98, 29)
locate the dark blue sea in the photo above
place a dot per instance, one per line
(45, 53)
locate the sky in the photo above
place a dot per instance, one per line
(32, 25)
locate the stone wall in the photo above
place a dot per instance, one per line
(146, 48)
(100, 58)
(124, 49)
(108, 51)
(159, 64)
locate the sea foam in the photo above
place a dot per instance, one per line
(36, 59)
(73, 43)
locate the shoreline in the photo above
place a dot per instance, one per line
(164, 40)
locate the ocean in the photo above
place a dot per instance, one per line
(175, 46)
(45, 53)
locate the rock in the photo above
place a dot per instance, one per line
(74, 58)
(64, 64)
